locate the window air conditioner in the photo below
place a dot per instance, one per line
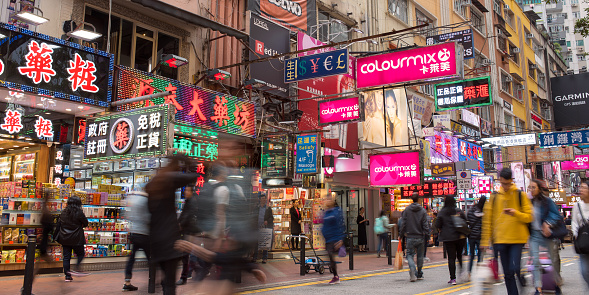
(533, 66)
(486, 61)
(521, 87)
(515, 50)
(534, 95)
(508, 79)
(530, 36)
(541, 47)
(505, 7)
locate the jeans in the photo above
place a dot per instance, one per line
(475, 249)
(584, 261)
(67, 257)
(189, 265)
(537, 240)
(415, 246)
(382, 240)
(511, 256)
(454, 249)
(139, 242)
(426, 242)
(331, 251)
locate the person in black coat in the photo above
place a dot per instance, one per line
(362, 223)
(164, 226)
(295, 223)
(475, 224)
(453, 240)
(72, 222)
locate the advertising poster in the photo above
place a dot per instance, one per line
(385, 121)
(570, 97)
(517, 169)
(470, 151)
(395, 169)
(442, 121)
(307, 148)
(581, 162)
(422, 108)
(295, 14)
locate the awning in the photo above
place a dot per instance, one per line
(479, 5)
(192, 18)
(517, 76)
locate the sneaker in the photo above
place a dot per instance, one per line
(452, 282)
(557, 290)
(181, 282)
(129, 288)
(335, 280)
(426, 259)
(68, 278)
(522, 281)
(79, 273)
(538, 292)
(412, 277)
(419, 278)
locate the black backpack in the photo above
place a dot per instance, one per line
(582, 240)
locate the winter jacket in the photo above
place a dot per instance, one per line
(333, 229)
(415, 222)
(475, 223)
(445, 224)
(501, 228)
(548, 211)
(71, 229)
(137, 213)
(381, 225)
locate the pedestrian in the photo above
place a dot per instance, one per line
(435, 230)
(138, 216)
(164, 228)
(72, 222)
(414, 228)
(266, 221)
(362, 223)
(295, 224)
(475, 224)
(188, 263)
(454, 240)
(505, 225)
(546, 215)
(580, 217)
(334, 231)
(381, 227)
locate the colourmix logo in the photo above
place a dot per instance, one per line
(385, 65)
(412, 167)
(290, 6)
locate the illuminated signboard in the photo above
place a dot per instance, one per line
(131, 134)
(552, 139)
(276, 157)
(307, 149)
(463, 94)
(54, 67)
(36, 124)
(340, 110)
(463, 37)
(402, 168)
(196, 143)
(316, 66)
(194, 105)
(471, 152)
(430, 189)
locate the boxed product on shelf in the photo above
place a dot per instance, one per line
(12, 219)
(7, 235)
(5, 217)
(11, 257)
(20, 256)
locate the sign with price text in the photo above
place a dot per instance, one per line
(316, 66)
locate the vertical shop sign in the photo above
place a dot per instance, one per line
(470, 151)
(276, 160)
(307, 150)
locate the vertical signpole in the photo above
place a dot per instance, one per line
(27, 288)
(302, 241)
(351, 250)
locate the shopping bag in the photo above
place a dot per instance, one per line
(482, 279)
(265, 239)
(399, 257)
(342, 251)
(494, 266)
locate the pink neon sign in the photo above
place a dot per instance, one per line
(395, 169)
(581, 162)
(339, 110)
(436, 61)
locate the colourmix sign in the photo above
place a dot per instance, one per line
(396, 169)
(418, 64)
(339, 111)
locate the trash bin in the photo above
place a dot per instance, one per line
(394, 245)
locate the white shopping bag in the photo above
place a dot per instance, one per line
(482, 279)
(265, 239)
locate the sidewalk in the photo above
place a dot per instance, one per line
(278, 272)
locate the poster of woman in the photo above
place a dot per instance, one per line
(386, 117)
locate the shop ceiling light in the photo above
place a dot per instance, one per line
(81, 33)
(345, 156)
(173, 61)
(28, 15)
(218, 75)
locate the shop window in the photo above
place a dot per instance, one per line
(144, 54)
(399, 8)
(477, 20)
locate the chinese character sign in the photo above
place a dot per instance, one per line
(395, 169)
(463, 37)
(443, 148)
(471, 152)
(463, 94)
(316, 66)
(512, 140)
(429, 189)
(307, 151)
(138, 133)
(197, 148)
(193, 105)
(424, 63)
(339, 110)
(53, 67)
(552, 139)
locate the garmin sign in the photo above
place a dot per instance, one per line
(570, 96)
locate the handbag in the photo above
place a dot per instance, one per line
(460, 225)
(582, 239)
(342, 251)
(494, 266)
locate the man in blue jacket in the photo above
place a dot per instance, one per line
(334, 232)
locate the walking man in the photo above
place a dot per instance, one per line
(138, 215)
(505, 225)
(414, 228)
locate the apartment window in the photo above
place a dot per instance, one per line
(541, 79)
(550, 18)
(509, 18)
(497, 7)
(520, 125)
(506, 83)
(535, 105)
(333, 31)
(477, 20)
(502, 43)
(580, 42)
(576, 14)
(485, 113)
(508, 122)
(513, 54)
(428, 89)
(532, 70)
(460, 7)
(144, 53)
(421, 18)
(580, 57)
(568, 43)
(399, 8)
(574, 1)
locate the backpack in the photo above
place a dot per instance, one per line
(378, 226)
(582, 240)
(460, 224)
(559, 230)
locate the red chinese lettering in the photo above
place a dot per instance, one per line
(448, 147)
(241, 116)
(12, 122)
(221, 111)
(82, 74)
(200, 168)
(421, 193)
(43, 127)
(81, 130)
(172, 97)
(483, 90)
(200, 181)
(144, 88)
(195, 103)
(39, 64)
(122, 135)
(470, 92)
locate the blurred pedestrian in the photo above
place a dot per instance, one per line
(187, 225)
(581, 217)
(362, 223)
(138, 216)
(475, 224)
(265, 220)
(448, 223)
(546, 215)
(334, 231)
(72, 222)
(414, 228)
(164, 228)
(381, 228)
(295, 223)
(505, 225)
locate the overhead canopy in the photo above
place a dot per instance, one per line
(192, 18)
(479, 5)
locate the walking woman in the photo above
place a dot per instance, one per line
(475, 223)
(381, 227)
(334, 231)
(72, 222)
(362, 223)
(580, 216)
(453, 239)
(545, 215)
